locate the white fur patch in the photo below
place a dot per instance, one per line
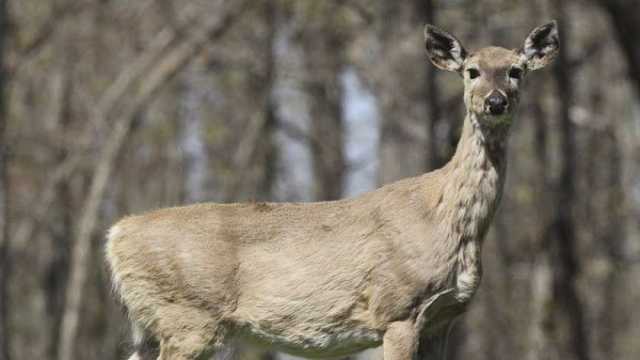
(135, 356)
(113, 233)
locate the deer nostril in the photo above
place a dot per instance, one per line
(496, 103)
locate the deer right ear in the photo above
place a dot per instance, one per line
(444, 50)
(541, 46)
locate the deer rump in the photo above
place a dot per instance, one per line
(315, 279)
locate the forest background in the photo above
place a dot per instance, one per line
(112, 107)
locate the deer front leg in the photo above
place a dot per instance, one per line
(435, 321)
(400, 341)
(433, 346)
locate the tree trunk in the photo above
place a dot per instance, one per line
(541, 282)
(614, 234)
(269, 146)
(327, 126)
(61, 117)
(58, 269)
(191, 136)
(323, 52)
(569, 316)
(400, 99)
(5, 259)
(436, 156)
(625, 19)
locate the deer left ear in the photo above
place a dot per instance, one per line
(541, 46)
(444, 50)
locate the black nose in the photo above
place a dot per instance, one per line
(496, 103)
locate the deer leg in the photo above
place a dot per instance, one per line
(433, 346)
(182, 349)
(400, 341)
(435, 321)
(191, 339)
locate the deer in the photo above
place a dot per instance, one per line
(392, 267)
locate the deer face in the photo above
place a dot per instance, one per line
(492, 75)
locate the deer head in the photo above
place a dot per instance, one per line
(492, 75)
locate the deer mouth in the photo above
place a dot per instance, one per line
(504, 119)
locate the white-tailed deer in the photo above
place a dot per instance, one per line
(394, 266)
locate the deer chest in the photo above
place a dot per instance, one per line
(468, 271)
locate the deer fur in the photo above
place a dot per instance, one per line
(392, 267)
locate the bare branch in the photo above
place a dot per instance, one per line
(46, 31)
(28, 227)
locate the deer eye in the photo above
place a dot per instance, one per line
(515, 73)
(473, 73)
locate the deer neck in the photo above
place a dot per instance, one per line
(471, 190)
(474, 180)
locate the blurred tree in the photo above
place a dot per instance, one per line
(568, 314)
(5, 259)
(541, 282)
(400, 97)
(559, 255)
(437, 154)
(269, 148)
(323, 42)
(625, 19)
(55, 281)
(612, 237)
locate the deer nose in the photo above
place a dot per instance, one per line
(496, 103)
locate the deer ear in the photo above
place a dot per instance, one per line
(444, 50)
(541, 46)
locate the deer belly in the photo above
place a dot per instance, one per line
(308, 327)
(313, 340)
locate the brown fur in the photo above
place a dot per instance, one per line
(320, 279)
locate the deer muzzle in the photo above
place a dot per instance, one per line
(496, 103)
